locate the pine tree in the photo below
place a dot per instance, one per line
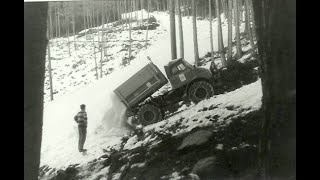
(35, 42)
(148, 4)
(102, 38)
(237, 28)
(49, 60)
(173, 30)
(74, 25)
(195, 38)
(180, 31)
(67, 29)
(130, 16)
(276, 31)
(249, 26)
(58, 16)
(220, 38)
(229, 56)
(211, 38)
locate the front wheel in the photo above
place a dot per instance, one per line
(149, 114)
(199, 91)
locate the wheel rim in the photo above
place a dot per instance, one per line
(148, 116)
(201, 93)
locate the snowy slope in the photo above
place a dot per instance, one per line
(105, 111)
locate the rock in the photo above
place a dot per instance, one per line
(204, 164)
(185, 171)
(196, 138)
(192, 176)
(205, 109)
(219, 146)
(71, 170)
(208, 168)
(61, 175)
(137, 158)
(213, 107)
(104, 156)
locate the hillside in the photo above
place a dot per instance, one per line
(108, 140)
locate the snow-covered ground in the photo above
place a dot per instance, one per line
(77, 85)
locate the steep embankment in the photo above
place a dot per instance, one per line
(106, 112)
(215, 138)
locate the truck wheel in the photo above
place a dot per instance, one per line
(199, 91)
(149, 114)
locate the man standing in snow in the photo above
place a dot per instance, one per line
(81, 119)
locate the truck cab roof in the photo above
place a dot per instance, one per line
(173, 63)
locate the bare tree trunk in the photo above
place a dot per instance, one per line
(119, 11)
(211, 38)
(88, 16)
(94, 20)
(253, 29)
(126, 12)
(240, 11)
(102, 40)
(130, 41)
(114, 12)
(173, 30)
(276, 33)
(97, 15)
(180, 31)
(74, 26)
(220, 38)
(84, 15)
(56, 19)
(91, 16)
(49, 61)
(229, 56)
(223, 8)
(189, 7)
(51, 25)
(106, 36)
(142, 7)
(95, 59)
(249, 26)
(67, 29)
(35, 42)
(237, 28)
(195, 38)
(246, 20)
(59, 28)
(146, 45)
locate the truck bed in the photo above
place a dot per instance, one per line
(141, 85)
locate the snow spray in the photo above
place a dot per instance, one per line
(115, 117)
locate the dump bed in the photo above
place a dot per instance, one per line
(141, 85)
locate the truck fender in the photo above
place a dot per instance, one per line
(193, 81)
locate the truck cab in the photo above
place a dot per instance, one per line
(181, 73)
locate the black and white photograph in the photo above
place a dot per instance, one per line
(160, 90)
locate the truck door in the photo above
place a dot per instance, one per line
(180, 75)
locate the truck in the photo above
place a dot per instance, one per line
(188, 84)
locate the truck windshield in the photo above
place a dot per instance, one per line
(177, 68)
(181, 67)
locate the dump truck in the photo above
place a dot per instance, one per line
(188, 83)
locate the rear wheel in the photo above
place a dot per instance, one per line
(199, 91)
(149, 114)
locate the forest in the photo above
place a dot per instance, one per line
(247, 130)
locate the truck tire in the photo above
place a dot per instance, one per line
(199, 91)
(149, 114)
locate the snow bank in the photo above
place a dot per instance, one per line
(106, 113)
